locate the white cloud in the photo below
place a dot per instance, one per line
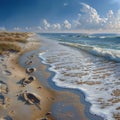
(46, 24)
(89, 19)
(28, 28)
(65, 4)
(67, 24)
(16, 28)
(56, 26)
(113, 20)
(39, 27)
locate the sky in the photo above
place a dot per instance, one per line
(60, 15)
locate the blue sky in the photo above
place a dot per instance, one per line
(60, 15)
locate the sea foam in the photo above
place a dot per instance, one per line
(96, 77)
(110, 54)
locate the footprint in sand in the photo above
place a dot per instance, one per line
(7, 72)
(1, 60)
(6, 118)
(12, 112)
(4, 65)
(2, 100)
(3, 87)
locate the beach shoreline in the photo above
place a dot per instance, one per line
(77, 95)
(65, 97)
(55, 102)
(76, 68)
(15, 106)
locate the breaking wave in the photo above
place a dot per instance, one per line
(109, 54)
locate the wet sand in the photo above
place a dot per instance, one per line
(67, 103)
(57, 103)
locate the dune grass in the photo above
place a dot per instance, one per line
(9, 47)
(14, 36)
(9, 41)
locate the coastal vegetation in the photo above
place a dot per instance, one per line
(9, 47)
(14, 36)
(9, 41)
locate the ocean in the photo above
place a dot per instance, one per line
(90, 63)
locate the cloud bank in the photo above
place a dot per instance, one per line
(88, 19)
(67, 24)
(47, 26)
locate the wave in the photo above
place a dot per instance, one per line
(104, 37)
(77, 70)
(109, 54)
(59, 36)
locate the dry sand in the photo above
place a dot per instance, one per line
(11, 73)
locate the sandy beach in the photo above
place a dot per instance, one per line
(59, 60)
(14, 105)
(54, 104)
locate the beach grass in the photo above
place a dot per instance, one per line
(14, 36)
(9, 41)
(9, 47)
